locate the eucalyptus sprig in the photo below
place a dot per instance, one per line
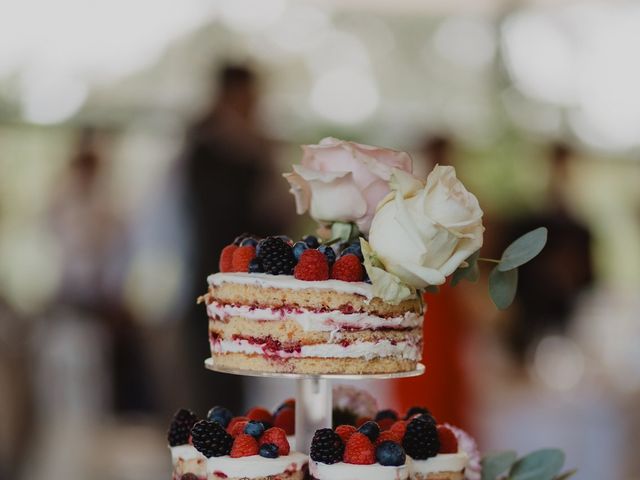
(503, 279)
(343, 232)
(542, 464)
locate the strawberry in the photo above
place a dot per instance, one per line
(312, 265)
(241, 258)
(286, 420)
(385, 423)
(278, 437)
(362, 420)
(244, 446)
(226, 257)
(448, 440)
(399, 428)
(345, 432)
(359, 450)
(233, 422)
(260, 414)
(388, 435)
(348, 268)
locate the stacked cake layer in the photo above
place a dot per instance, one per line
(281, 324)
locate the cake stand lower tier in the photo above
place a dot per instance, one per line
(313, 395)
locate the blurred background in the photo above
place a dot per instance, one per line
(137, 138)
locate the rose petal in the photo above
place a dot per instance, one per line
(300, 190)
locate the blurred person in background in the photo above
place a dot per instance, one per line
(227, 164)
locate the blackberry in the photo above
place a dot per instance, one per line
(328, 252)
(180, 427)
(390, 454)
(370, 429)
(326, 446)
(255, 266)
(311, 241)
(221, 415)
(416, 411)
(382, 414)
(210, 439)
(269, 450)
(421, 439)
(276, 256)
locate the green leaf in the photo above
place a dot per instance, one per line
(470, 272)
(346, 232)
(539, 465)
(566, 475)
(495, 464)
(523, 249)
(503, 286)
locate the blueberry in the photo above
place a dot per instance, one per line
(353, 249)
(255, 266)
(249, 241)
(386, 414)
(311, 241)
(328, 252)
(220, 415)
(298, 248)
(370, 429)
(269, 450)
(390, 454)
(253, 428)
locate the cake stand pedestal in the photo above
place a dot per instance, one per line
(313, 395)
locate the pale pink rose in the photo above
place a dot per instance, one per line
(339, 181)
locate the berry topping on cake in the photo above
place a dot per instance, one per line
(348, 269)
(448, 440)
(180, 427)
(238, 240)
(413, 411)
(385, 423)
(388, 435)
(313, 265)
(276, 256)
(328, 252)
(311, 241)
(298, 249)
(285, 419)
(236, 425)
(345, 431)
(221, 415)
(353, 249)
(359, 450)
(326, 446)
(249, 241)
(390, 414)
(261, 415)
(371, 429)
(399, 428)
(210, 439)
(390, 454)
(278, 437)
(269, 450)
(255, 266)
(226, 258)
(421, 439)
(254, 428)
(244, 446)
(242, 257)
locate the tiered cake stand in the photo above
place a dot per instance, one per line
(313, 396)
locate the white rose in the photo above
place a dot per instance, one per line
(422, 233)
(340, 181)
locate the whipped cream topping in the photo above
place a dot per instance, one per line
(255, 465)
(288, 281)
(443, 462)
(347, 471)
(185, 453)
(316, 321)
(358, 349)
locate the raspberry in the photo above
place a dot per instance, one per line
(421, 440)
(312, 266)
(237, 428)
(226, 257)
(359, 450)
(388, 435)
(233, 422)
(276, 256)
(241, 258)
(260, 414)
(345, 431)
(448, 440)
(399, 428)
(326, 447)
(278, 437)
(244, 446)
(286, 420)
(385, 423)
(180, 428)
(210, 439)
(348, 268)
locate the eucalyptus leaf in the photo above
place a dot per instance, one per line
(542, 464)
(497, 463)
(342, 230)
(566, 475)
(470, 272)
(503, 286)
(523, 249)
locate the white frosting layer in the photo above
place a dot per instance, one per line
(316, 321)
(443, 462)
(255, 465)
(368, 350)
(185, 452)
(288, 281)
(346, 471)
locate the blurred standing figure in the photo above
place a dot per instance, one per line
(226, 162)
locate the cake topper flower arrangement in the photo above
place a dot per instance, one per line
(414, 234)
